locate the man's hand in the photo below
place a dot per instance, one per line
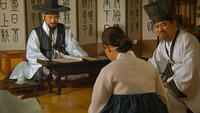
(165, 84)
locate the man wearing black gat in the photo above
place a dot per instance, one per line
(48, 41)
(127, 84)
(177, 60)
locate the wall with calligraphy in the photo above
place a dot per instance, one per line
(134, 24)
(87, 20)
(12, 25)
(148, 27)
(110, 13)
(134, 17)
(87, 24)
(149, 38)
(33, 18)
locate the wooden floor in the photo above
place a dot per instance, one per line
(71, 100)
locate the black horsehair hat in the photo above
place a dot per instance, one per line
(159, 11)
(51, 6)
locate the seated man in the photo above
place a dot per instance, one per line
(49, 41)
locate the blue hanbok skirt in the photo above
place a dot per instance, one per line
(135, 103)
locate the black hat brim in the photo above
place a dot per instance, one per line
(41, 7)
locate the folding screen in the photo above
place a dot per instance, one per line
(12, 25)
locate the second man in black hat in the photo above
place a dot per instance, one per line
(177, 59)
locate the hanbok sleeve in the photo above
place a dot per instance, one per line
(72, 45)
(101, 92)
(33, 49)
(158, 60)
(185, 82)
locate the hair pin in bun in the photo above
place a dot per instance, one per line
(124, 38)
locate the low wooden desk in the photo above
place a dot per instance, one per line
(62, 69)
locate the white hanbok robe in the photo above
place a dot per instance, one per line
(125, 75)
(28, 69)
(186, 56)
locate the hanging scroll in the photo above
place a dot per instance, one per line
(69, 19)
(34, 18)
(148, 26)
(134, 17)
(111, 13)
(12, 25)
(87, 21)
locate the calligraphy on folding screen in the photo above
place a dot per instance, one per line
(87, 21)
(110, 13)
(148, 26)
(134, 16)
(34, 18)
(69, 19)
(12, 25)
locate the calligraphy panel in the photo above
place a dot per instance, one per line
(148, 26)
(12, 25)
(134, 16)
(87, 21)
(111, 13)
(34, 18)
(69, 18)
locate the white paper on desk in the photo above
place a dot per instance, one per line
(84, 58)
(74, 59)
(67, 60)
